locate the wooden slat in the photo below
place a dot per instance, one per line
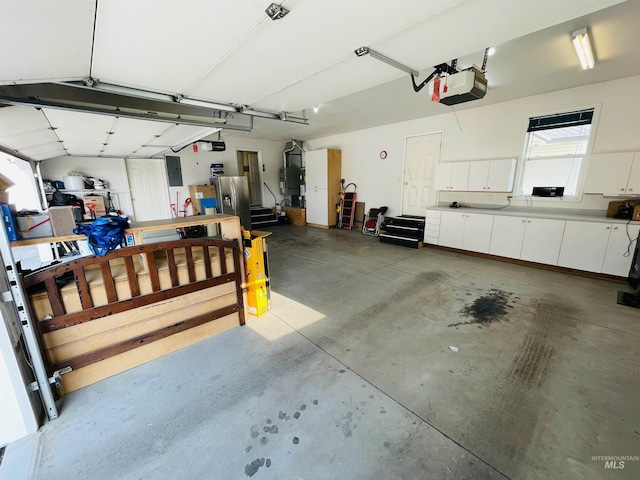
(152, 269)
(107, 282)
(190, 266)
(132, 277)
(57, 270)
(95, 313)
(173, 269)
(222, 257)
(122, 347)
(240, 282)
(83, 288)
(207, 262)
(54, 297)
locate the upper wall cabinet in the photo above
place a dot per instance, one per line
(452, 176)
(480, 176)
(492, 175)
(614, 174)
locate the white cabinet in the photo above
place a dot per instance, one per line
(619, 253)
(468, 231)
(452, 176)
(598, 247)
(584, 245)
(633, 185)
(451, 229)
(532, 239)
(322, 178)
(507, 236)
(491, 175)
(542, 240)
(477, 232)
(432, 226)
(614, 173)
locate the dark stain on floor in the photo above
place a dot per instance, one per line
(489, 308)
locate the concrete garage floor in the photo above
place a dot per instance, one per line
(351, 376)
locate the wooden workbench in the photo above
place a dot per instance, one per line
(229, 229)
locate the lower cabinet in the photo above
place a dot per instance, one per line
(584, 245)
(592, 246)
(468, 231)
(542, 240)
(507, 236)
(620, 248)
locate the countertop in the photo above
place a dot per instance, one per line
(598, 216)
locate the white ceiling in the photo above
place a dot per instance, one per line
(231, 52)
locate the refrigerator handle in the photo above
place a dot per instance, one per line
(233, 197)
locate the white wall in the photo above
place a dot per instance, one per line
(488, 132)
(195, 166)
(111, 170)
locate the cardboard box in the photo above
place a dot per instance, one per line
(636, 213)
(34, 226)
(612, 209)
(95, 204)
(197, 193)
(62, 220)
(5, 183)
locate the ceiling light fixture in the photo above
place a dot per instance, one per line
(315, 109)
(491, 51)
(276, 12)
(582, 45)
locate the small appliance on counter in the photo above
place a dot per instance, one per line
(548, 191)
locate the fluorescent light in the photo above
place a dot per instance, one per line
(583, 48)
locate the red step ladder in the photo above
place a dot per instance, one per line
(347, 207)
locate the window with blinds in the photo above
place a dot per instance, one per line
(556, 145)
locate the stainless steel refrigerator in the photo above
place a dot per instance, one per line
(233, 197)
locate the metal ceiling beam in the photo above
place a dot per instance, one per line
(106, 99)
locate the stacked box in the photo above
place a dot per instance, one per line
(62, 220)
(199, 192)
(96, 204)
(34, 226)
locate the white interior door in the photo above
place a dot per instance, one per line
(149, 189)
(422, 153)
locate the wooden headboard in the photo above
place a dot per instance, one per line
(96, 310)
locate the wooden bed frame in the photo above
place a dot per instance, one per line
(98, 316)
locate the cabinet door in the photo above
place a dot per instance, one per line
(615, 261)
(317, 206)
(633, 185)
(501, 175)
(477, 232)
(507, 236)
(584, 245)
(542, 240)
(451, 229)
(459, 176)
(478, 176)
(315, 168)
(442, 180)
(608, 173)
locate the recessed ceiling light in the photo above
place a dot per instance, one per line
(315, 109)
